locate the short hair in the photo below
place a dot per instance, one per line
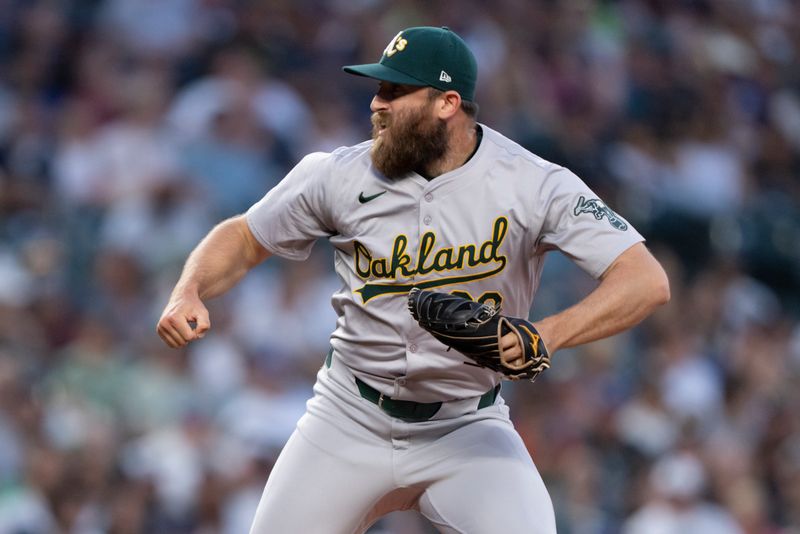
(470, 108)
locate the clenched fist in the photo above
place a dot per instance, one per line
(185, 319)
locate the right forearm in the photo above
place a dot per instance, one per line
(226, 254)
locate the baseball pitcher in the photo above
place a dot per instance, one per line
(440, 227)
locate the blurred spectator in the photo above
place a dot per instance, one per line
(237, 81)
(231, 163)
(154, 27)
(677, 506)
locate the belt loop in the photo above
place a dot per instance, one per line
(380, 401)
(329, 358)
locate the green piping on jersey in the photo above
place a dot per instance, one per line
(428, 260)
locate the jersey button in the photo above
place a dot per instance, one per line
(412, 348)
(401, 381)
(427, 219)
(429, 197)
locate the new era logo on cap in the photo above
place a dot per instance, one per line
(444, 77)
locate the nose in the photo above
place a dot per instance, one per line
(378, 103)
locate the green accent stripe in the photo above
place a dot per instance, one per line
(370, 291)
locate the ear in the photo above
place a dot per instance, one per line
(448, 104)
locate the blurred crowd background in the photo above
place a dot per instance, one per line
(128, 128)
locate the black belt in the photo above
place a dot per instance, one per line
(410, 411)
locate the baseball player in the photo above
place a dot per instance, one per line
(438, 202)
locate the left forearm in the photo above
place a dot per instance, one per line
(629, 291)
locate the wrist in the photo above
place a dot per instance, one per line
(547, 335)
(186, 290)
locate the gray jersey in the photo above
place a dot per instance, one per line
(481, 229)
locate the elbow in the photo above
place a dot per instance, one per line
(659, 291)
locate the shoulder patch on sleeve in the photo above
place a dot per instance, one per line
(599, 210)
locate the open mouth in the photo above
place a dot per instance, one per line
(379, 125)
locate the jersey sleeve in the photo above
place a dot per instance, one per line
(578, 223)
(294, 214)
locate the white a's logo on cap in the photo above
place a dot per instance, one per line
(444, 77)
(398, 44)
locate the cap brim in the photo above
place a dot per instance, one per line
(377, 71)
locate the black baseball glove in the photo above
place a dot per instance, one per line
(475, 330)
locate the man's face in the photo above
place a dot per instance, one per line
(407, 137)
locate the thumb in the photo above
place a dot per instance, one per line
(202, 324)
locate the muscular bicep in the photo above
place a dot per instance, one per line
(629, 290)
(638, 273)
(254, 251)
(221, 259)
(636, 258)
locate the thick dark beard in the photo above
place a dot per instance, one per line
(411, 144)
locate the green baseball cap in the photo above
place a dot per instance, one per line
(425, 55)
